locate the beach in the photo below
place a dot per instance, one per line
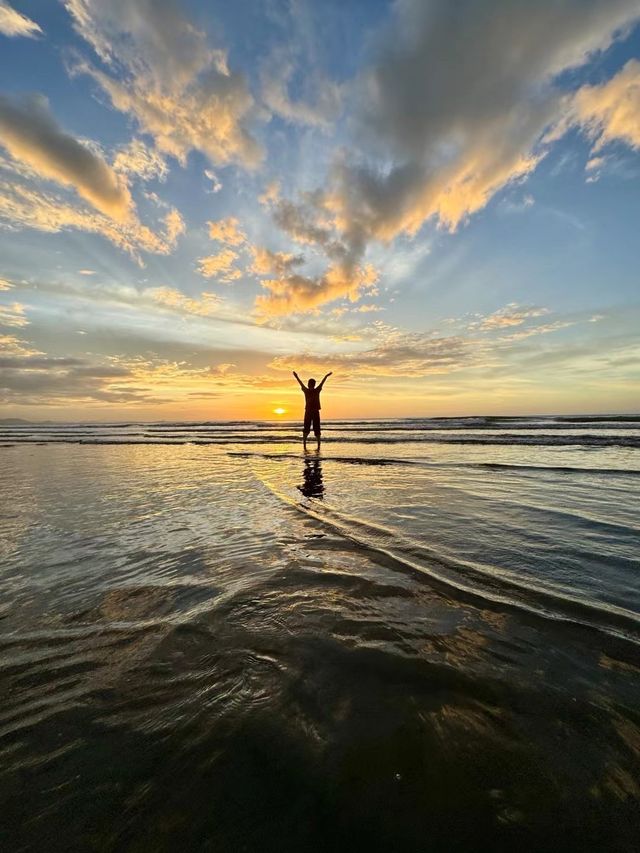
(424, 638)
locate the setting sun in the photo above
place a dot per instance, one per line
(279, 411)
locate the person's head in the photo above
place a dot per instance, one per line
(312, 383)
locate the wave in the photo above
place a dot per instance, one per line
(447, 424)
(421, 463)
(539, 440)
(481, 583)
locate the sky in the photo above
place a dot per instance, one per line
(437, 201)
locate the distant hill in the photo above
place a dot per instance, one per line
(14, 421)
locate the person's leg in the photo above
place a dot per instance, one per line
(306, 428)
(316, 427)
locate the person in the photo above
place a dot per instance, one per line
(311, 407)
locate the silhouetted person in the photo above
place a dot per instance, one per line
(312, 485)
(311, 407)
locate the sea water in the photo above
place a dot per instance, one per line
(424, 637)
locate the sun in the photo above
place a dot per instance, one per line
(279, 411)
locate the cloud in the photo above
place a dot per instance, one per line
(127, 305)
(395, 354)
(220, 266)
(530, 331)
(162, 72)
(436, 139)
(20, 362)
(29, 377)
(167, 297)
(5, 285)
(294, 293)
(13, 315)
(54, 154)
(14, 24)
(309, 225)
(611, 111)
(42, 380)
(22, 206)
(227, 231)
(30, 134)
(304, 222)
(174, 225)
(216, 184)
(10, 345)
(265, 262)
(452, 134)
(323, 98)
(510, 315)
(140, 161)
(595, 163)
(368, 309)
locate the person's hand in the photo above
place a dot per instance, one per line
(330, 374)
(295, 374)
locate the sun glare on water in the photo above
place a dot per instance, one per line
(279, 411)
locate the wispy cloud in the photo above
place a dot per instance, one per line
(13, 23)
(395, 354)
(220, 266)
(141, 161)
(163, 73)
(216, 183)
(323, 100)
(11, 345)
(511, 315)
(23, 206)
(206, 305)
(13, 315)
(611, 111)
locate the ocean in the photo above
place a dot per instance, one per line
(425, 637)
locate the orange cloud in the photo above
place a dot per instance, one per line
(23, 206)
(611, 111)
(30, 134)
(295, 293)
(227, 231)
(219, 266)
(266, 262)
(174, 225)
(510, 315)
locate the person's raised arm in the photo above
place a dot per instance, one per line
(300, 382)
(324, 380)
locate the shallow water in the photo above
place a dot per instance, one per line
(410, 645)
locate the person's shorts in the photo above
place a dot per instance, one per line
(312, 419)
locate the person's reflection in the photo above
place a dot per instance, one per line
(312, 485)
